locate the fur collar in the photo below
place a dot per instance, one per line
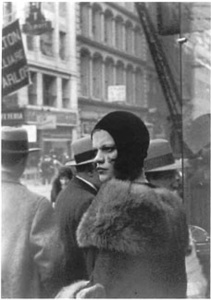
(134, 219)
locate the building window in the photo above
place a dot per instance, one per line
(109, 75)
(48, 5)
(84, 19)
(30, 42)
(10, 101)
(96, 26)
(108, 28)
(119, 33)
(97, 77)
(7, 12)
(137, 42)
(62, 45)
(85, 74)
(49, 90)
(139, 87)
(65, 93)
(62, 9)
(129, 37)
(120, 74)
(129, 85)
(32, 89)
(46, 43)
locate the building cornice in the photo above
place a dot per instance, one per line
(124, 11)
(50, 71)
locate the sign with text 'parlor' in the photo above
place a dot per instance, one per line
(14, 65)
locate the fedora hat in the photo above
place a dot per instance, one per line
(14, 140)
(83, 152)
(160, 157)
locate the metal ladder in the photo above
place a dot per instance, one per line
(166, 79)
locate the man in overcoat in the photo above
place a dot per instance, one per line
(31, 251)
(71, 204)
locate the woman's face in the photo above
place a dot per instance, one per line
(106, 154)
(64, 181)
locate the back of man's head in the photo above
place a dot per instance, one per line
(89, 173)
(160, 166)
(85, 168)
(14, 148)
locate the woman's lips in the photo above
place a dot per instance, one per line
(101, 170)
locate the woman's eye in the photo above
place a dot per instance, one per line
(109, 149)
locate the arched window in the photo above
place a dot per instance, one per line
(139, 88)
(129, 37)
(85, 73)
(84, 7)
(96, 25)
(137, 41)
(108, 28)
(120, 74)
(140, 43)
(62, 9)
(109, 75)
(119, 33)
(97, 77)
(129, 85)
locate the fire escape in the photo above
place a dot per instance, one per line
(166, 79)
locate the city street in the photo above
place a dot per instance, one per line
(65, 66)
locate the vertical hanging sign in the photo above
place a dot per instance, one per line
(15, 73)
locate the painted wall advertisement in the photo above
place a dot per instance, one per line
(15, 73)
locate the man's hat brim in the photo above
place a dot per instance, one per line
(74, 163)
(20, 151)
(175, 166)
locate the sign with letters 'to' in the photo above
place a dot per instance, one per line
(14, 65)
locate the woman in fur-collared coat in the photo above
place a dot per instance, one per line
(137, 238)
(135, 235)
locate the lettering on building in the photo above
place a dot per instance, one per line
(12, 117)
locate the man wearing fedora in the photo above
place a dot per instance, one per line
(160, 166)
(31, 251)
(71, 204)
(162, 170)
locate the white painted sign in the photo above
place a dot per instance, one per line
(117, 93)
(46, 122)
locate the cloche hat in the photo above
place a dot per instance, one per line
(127, 129)
(83, 152)
(160, 157)
(14, 140)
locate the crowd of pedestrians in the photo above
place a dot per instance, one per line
(115, 226)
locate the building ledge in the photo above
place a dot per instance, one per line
(116, 105)
(109, 49)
